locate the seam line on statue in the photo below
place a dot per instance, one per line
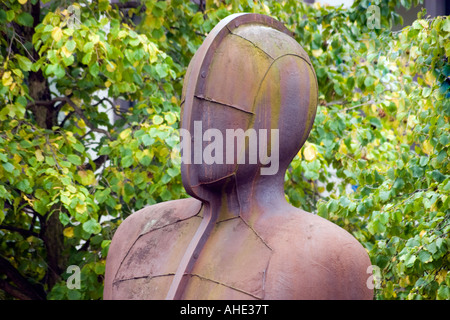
(267, 72)
(256, 233)
(228, 219)
(225, 285)
(212, 182)
(143, 277)
(201, 97)
(288, 54)
(264, 278)
(142, 234)
(254, 44)
(179, 220)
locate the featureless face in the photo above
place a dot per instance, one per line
(251, 109)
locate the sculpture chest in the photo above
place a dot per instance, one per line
(232, 265)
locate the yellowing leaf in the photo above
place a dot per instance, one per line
(30, 201)
(81, 123)
(427, 147)
(412, 120)
(110, 66)
(17, 158)
(108, 84)
(125, 134)
(422, 233)
(66, 52)
(80, 208)
(7, 79)
(317, 53)
(87, 177)
(68, 232)
(310, 152)
(343, 148)
(57, 34)
(441, 276)
(424, 23)
(23, 1)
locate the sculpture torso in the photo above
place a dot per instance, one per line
(240, 239)
(287, 255)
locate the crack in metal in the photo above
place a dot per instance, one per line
(148, 231)
(117, 281)
(254, 44)
(225, 285)
(201, 97)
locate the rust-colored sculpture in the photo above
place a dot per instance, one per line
(238, 238)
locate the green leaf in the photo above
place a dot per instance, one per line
(74, 294)
(161, 70)
(129, 189)
(322, 210)
(437, 176)
(71, 45)
(25, 19)
(423, 161)
(24, 185)
(157, 119)
(10, 14)
(145, 161)
(92, 226)
(126, 161)
(24, 63)
(410, 259)
(8, 167)
(385, 195)
(64, 218)
(94, 69)
(369, 81)
(173, 172)
(426, 92)
(74, 159)
(147, 140)
(87, 58)
(424, 256)
(88, 47)
(446, 25)
(443, 292)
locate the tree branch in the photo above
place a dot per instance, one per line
(80, 113)
(23, 288)
(12, 290)
(129, 5)
(76, 108)
(97, 162)
(66, 118)
(23, 232)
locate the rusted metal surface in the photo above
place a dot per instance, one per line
(238, 238)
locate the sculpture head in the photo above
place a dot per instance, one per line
(249, 102)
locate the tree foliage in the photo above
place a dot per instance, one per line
(74, 164)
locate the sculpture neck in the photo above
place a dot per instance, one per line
(261, 197)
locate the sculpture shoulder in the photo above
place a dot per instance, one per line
(305, 228)
(141, 222)
(159, 215)
(321, 255)
(301, 227)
